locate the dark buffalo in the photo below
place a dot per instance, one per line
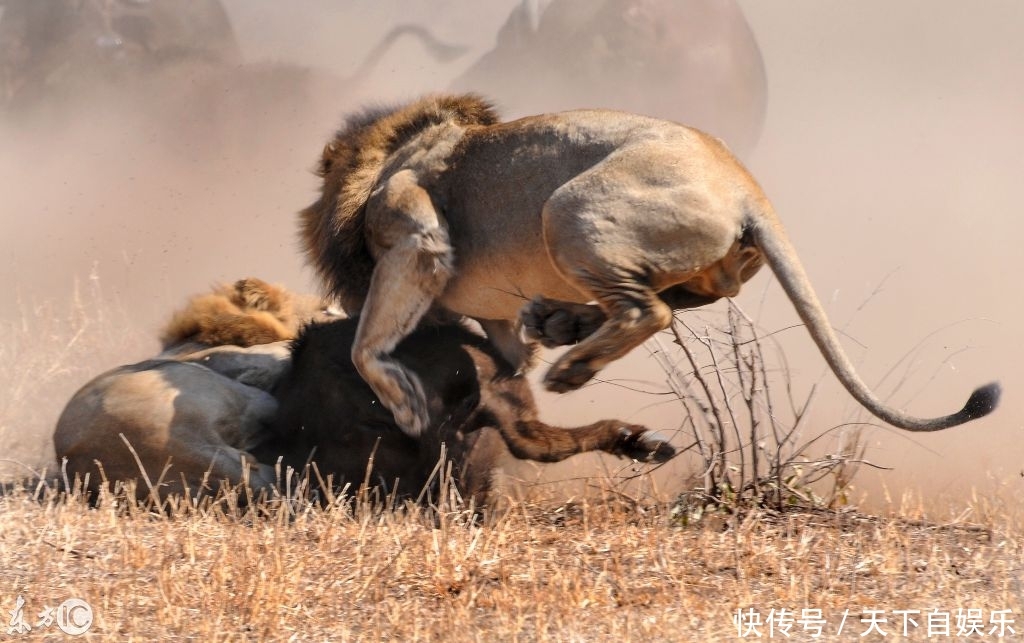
(480, 411)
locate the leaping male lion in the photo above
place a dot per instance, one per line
(437, 202)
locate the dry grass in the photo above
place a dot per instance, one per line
(604, 569)
(750, 442)
(48, 352)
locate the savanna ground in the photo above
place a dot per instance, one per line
(603, 559)
(603, 568)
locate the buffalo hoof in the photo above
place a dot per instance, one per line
(641, 444)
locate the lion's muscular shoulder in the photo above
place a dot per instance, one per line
(333, 228)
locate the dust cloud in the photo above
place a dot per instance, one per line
(892, 149)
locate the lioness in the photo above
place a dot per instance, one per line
(197, 408)
(438, 203)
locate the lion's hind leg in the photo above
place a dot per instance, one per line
(556, 323)
(634, 311)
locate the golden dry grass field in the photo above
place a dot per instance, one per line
(601, 569)
(598, 560)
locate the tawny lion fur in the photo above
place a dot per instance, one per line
(438, 204)
(193, 413)
(246, 313)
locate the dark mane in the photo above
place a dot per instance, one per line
(333, 228)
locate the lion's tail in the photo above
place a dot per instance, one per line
(781, 256)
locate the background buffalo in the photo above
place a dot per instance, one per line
(690, 61)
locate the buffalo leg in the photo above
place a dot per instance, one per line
(532, 439)
(502, 334)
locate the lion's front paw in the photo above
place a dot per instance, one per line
(401, 393)
(556, 323)
(412, 420)
(568, 376)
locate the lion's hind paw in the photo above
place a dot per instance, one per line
(559, 323)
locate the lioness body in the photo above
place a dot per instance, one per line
(439, 203)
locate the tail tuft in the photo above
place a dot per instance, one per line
(983, 401)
